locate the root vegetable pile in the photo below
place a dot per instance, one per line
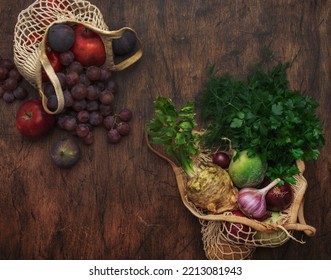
(267, 128)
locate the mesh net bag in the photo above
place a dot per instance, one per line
(30, 40)
(229, 237)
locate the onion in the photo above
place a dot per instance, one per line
(221, 159)
(279, 198)
(238, 232)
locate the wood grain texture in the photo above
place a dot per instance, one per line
(122, 202)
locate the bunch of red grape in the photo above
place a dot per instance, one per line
(89, 94)
(10, 82)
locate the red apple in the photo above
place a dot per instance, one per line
(88, 47)
(33, 121)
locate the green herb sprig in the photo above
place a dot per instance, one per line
(173, 128)
(262, 114)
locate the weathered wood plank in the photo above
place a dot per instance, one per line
(121, 202)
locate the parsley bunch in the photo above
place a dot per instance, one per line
(262, 114)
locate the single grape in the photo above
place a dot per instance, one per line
(93, 73)
(84, 79)
(79, 91)
(82, 130)
(111, 85)
(123, 128)
(13, 73)
(125, 115)
(60, 120)
(92, 92)
(79, 105)
(100, 85)
(72, 78)
(92, 105)
(113, 136)
(106, 110)
(52, 102)
(66, 58)
(68, 99)
(8, 97)
(105, 73)
(89, 138)
(95, 118)
(48, 89)
(83, 116)
(10, 84)
(109, 122)
(70, 123)
(20, 93)
(106, 97)
(76, 66)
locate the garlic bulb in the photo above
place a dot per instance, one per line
(251, 201)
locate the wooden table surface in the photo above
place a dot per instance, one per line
(122, 202)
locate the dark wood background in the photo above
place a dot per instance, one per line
(121, 202)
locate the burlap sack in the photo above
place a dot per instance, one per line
(218, 239)
(30, 40)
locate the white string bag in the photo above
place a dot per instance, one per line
(30, 40)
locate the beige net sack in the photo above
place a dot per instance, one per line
(30, 40)
(229, 237)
